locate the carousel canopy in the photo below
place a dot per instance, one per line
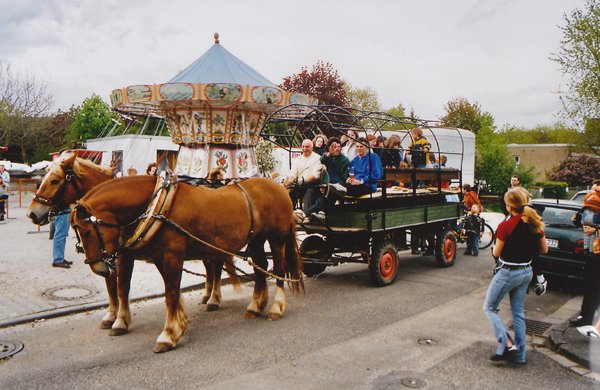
(218, 65)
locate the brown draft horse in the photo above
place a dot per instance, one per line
(71, 177)
(228, 218)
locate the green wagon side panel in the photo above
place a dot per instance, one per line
(393, 218)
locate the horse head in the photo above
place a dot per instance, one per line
(98, 237)
(67, 180)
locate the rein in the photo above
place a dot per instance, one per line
(109, 259)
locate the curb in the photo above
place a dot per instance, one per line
(65, 311)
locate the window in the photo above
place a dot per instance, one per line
(517, 159)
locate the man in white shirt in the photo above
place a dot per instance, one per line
(306, 172)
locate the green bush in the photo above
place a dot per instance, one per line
(553, 189)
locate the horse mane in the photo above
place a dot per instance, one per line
(84, 163)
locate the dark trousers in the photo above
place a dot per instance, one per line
(473, 243)
(591, 295)
(358, 190)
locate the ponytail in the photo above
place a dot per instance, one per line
(533, 219)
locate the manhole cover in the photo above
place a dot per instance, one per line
(426, 341)
(536, 328)
(9, 348)
(413, 383)
(68, 293)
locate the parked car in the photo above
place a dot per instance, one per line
(578, 197)
(565, 257)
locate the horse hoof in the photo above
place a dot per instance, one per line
(117, 332)
(212, 307)
(204, 300)
(251, 314)
(106, 324)
(274, 316)
(162, 347)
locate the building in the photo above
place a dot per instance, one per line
(542, 157)
(134, 151)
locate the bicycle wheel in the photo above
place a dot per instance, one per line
(487, 238)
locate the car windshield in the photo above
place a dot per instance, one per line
(578, 197)
(558, 217)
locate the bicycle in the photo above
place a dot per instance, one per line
(486, 239)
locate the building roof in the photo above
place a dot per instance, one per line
(218, 65)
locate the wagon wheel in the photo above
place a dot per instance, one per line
(383, 267)
(445, 248)
(314, 247)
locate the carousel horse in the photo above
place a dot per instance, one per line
(202, 223)
(71, 177)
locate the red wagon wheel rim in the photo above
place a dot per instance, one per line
(449, 249)
(387, 264)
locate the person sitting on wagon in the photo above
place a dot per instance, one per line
(419, 148)
(364, 172)
(392, 156)
(418, 151)
(337, 169)
(306, 169)
(320, 144)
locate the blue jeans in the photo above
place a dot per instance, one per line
(61, 231)
(512, 282)
(473, 243)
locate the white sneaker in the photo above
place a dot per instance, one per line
(589, 331)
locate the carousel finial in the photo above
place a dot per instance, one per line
(216, 38)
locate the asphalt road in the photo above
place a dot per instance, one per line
(342, 334)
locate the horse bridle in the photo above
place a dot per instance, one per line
(106, 258)
(54, 203)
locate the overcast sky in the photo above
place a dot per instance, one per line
(418, 53)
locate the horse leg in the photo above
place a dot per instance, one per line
(215, 295)
(113, 302)
(260, 296)
(176, 321)
(278, 307)
(124, 271)
(208, 284)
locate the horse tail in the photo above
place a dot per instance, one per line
(234, 280)
(293, 263)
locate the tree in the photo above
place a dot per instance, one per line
(465, 115)
(579, 60)
(591, 134)
(554, 134)
(322, 82)
(92, 120)
(23, 102)
(492, 161)
(577, 170)
(362, 98)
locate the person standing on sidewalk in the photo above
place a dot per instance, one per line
(515, 181)
(61, 231)
(473, 228)
(519, 239)
(590, 222)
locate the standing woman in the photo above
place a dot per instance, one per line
(519, 239)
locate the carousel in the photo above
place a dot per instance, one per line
(214, 109)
